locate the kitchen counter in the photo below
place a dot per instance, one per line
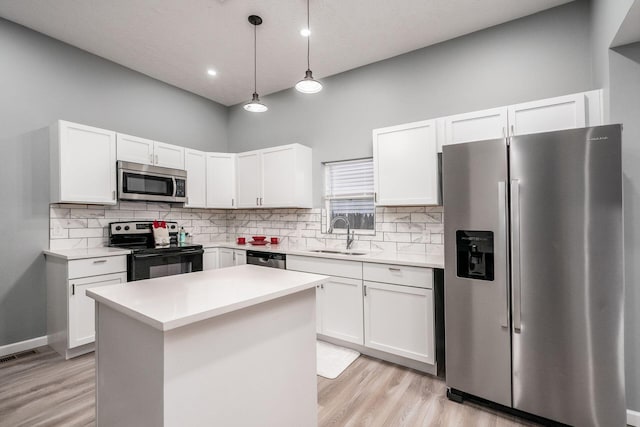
(232, 346)
(414, 259)
(170, 302)
(71, 254)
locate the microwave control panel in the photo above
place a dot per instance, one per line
(181, 188)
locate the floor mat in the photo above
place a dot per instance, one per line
(332, 360)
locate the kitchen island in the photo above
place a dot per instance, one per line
(228, 347)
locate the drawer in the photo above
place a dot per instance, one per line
(96, 266)
(398, 274)
(326, 266)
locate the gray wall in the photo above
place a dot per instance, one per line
(540, 56)
(618, 72)
(42, 80)
(625, 108)
(606, 18)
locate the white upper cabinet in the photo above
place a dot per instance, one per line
(277, 177)
(221, 180)
(405, 161)
(249, 177)
(168, 156)
(546, 115)
(195, 165)
(564, 112)
(476, 126)
(286, 177)
(135, 149)
(82, 164)
(148, 152)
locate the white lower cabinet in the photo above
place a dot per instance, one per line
(210, 259)
(239, 257)
(70, 313)
(339, 309)
(396, 317)
(399, 320)
(230, 257)
(82, 308)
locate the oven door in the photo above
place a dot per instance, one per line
(148, 266)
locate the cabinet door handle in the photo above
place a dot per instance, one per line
(375, 197)
(321, 285)
(513, 130)
(150, 158)
(365, 290)
(257, 204)
(234, 256)
(232, 201)
(394, 269)
(260, 201)
(113, 194)
(73, 289)
(99, 261)
(156, 159)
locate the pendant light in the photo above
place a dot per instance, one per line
(308, 84)
(255, 106)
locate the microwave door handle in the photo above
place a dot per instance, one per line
(173, 189)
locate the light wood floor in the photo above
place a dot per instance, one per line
(45, 390)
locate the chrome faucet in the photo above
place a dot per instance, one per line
(350, 234)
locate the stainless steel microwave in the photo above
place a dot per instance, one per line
(151, 183)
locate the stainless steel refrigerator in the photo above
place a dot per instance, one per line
(534, 274)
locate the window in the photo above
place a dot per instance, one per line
(349, 194)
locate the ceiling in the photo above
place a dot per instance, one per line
(177, 41)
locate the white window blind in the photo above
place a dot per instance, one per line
(349, 193)
(349, 179)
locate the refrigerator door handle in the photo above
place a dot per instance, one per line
(515, 255)
(502, 238)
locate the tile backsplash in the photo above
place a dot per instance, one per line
(411, 229)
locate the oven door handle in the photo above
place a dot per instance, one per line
(163, 254)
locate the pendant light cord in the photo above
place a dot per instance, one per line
(255, 60)
(308, 37)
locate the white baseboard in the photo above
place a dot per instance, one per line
(17, 347)
(633, 418)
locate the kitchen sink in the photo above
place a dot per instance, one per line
(333, 251)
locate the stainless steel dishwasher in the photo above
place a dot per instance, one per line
(267, 259)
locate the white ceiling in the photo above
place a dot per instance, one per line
(175, 41)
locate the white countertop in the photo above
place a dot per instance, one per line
(399, 258)
(71, 254)
(170, 302)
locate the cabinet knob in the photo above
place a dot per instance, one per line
(365, 290)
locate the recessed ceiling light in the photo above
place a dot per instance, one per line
(212, 72)
(305, 32)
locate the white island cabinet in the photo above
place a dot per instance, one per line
(233, 346)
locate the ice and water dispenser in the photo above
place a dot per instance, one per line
(475, 254)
